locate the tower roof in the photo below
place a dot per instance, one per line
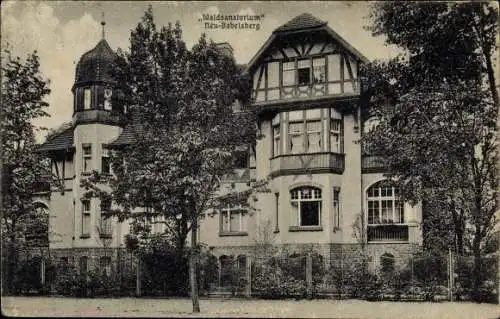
(96, 64)
(302, 21)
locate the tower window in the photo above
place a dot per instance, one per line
(105, 162)
(107, 99)
(87, 158)
(87, 99)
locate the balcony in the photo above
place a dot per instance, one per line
(387, 233)
(291, 164)
(372, 164)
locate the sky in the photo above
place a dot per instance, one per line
(61, 31)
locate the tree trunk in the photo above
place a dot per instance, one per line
(193, 266)
(476, 272)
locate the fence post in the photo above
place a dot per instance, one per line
(309, 282)
(138, 278)
(42, 271)
(249, 277)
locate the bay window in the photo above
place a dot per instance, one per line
(306, 131)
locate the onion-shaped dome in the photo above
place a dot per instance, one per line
(95, 65)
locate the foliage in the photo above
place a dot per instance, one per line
(277, 278)
(180, 104)
(353, 279)
(437, 105)
(22, 93)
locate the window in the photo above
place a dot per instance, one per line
(304, 71)
(288, 73)
(108, 93)
(276, 135)
(384, 205)
(313, 136)
(87, 157)
(336, 136)
(295, 134)
(105, 162)
(232, 220)
(306, 205)
(319, 70)
(86, 217)
(277, 210)
(87, 99)
(336, 207)
(106, 227)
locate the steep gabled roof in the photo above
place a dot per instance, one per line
(300, 22)
(304, 22)
(61, 141)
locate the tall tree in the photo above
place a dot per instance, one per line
(437, 105)
(23, 171)
(186, 133)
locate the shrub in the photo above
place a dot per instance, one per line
(65, 280)
(353, 279)
(278, 278)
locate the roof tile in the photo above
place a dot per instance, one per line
(62, 141)
(303, 21)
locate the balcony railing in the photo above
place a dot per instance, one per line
(372, 164)
(310, 90)
(307, 163)
(387, 233)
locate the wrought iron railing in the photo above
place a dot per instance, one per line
(387, 233)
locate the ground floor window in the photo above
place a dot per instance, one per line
(233, 220)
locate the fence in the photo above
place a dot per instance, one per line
(118, 272)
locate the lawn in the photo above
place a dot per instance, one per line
(139, 307)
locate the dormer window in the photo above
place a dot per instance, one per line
(87, 99)
(304, 71)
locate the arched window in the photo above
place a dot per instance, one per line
(306, 205)
(384, 205)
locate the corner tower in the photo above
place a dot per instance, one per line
(97, 120)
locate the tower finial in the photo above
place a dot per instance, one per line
(103, 23)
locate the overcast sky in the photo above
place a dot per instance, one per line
(61, 31)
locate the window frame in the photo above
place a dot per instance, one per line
(86, 157)
(299, 200)
(86, 217)
(225, 219)
(85, 105)
(336, 207)
(397, 205)
(106, 221)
